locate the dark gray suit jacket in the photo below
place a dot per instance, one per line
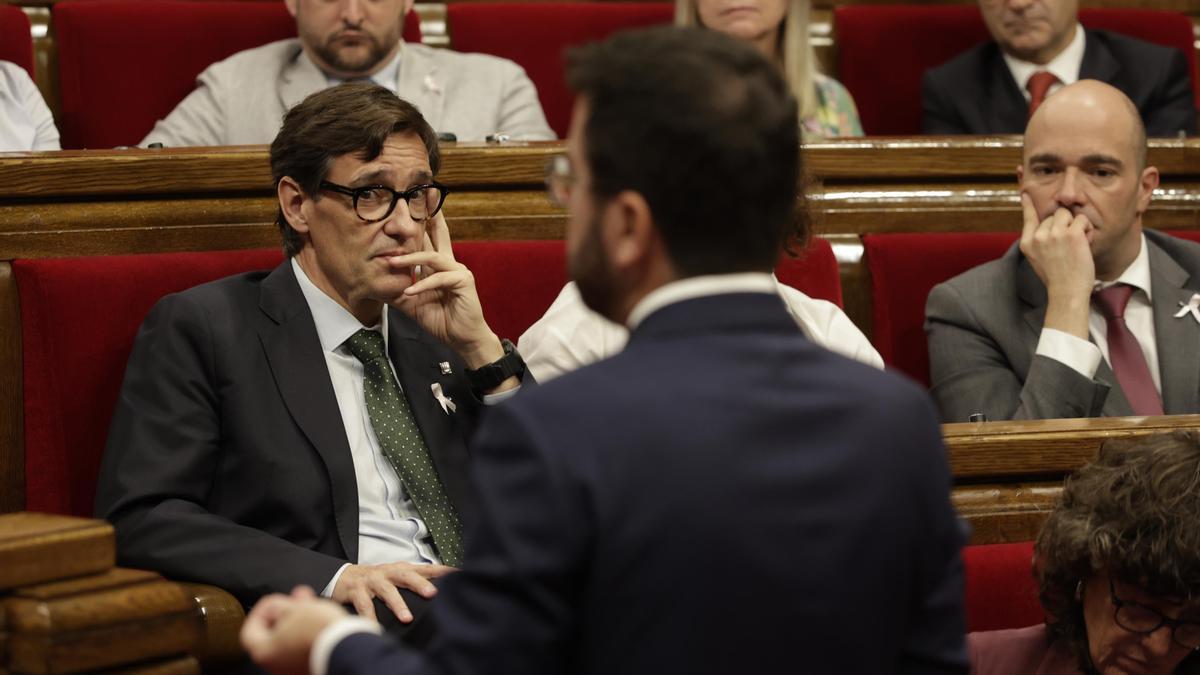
(983, 327)
(227, 461)
(974, 93)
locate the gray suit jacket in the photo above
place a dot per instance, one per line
(983, 327)
(242, 100)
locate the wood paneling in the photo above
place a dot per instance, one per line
(36, 547)
(110, 619)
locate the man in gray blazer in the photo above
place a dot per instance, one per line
(1088, 315)
(241, 100)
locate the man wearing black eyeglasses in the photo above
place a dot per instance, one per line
(309, 425)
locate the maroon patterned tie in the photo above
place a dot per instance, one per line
(1125, 353)
(1037, 86)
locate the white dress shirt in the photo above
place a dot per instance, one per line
(1083, 356)
(1065, 66)
(570, 336)
(389, 527)
(25, 121)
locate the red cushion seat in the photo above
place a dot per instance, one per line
(16, 42)
(904, 268)
(536, 34)
(1001, 591)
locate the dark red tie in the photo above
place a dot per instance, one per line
(1125, 353)
(1037, 86)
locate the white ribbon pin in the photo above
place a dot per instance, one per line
(445, 401)
(1192, 307)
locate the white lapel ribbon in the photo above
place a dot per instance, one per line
(1192, 307)
(446, 402)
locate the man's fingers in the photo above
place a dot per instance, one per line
(439, 281)
(364, 606)
(385, 591)
(1031, 217)
(256, 629)
(434, 571)
(410, 579)
(439, 233)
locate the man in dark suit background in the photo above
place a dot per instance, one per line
(723, 496)
(309, 425)
(1082, 317)
(1040, 47)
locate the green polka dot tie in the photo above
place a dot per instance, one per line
(403, 446)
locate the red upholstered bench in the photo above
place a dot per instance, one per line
(814, 271)
(124, 64)
(910, 39)
(535, 35)
(1000, 589)
(16, 42)
(904, 268)
(79, 317)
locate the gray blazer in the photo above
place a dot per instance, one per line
(242, 100)
(983, 327)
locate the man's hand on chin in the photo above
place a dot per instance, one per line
(280, 630)
(1059, 250)
(443, 298)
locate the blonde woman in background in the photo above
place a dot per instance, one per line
(779, 29)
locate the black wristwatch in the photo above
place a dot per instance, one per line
(486, 378)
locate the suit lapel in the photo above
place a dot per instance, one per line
(416, 364)
(1176, 339)
(1008, 110)
(419, 82)
(1098, 63)
(298, 366)
(300, 77)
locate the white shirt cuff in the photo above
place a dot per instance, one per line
(328, 639)
(1079, 355)
(328, 592)
(493, 399)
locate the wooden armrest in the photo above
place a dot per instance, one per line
(222, 616)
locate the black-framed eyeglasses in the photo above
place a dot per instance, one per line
(373, 203)
(560, 178)
(1141, 619)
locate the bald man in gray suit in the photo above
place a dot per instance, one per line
(1022, 337)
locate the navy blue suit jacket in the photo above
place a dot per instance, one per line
(721, 497)
(974, 93)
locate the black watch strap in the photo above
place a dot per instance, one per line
(486, 378)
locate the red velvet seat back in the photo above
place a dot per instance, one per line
(1001, 591)
(535, 35)
(1190, 235)
(124, 64)
(16, 42)
(884, 50)
(904, 268)
(78, 320)
(516, 280)
(814, 271)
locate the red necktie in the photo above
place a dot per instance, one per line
(1125, 353)
(1037, 86)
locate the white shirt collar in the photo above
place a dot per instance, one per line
(386, 77)
(698, 287)
(1136, 275)
(335, 324)
(1065, 66)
